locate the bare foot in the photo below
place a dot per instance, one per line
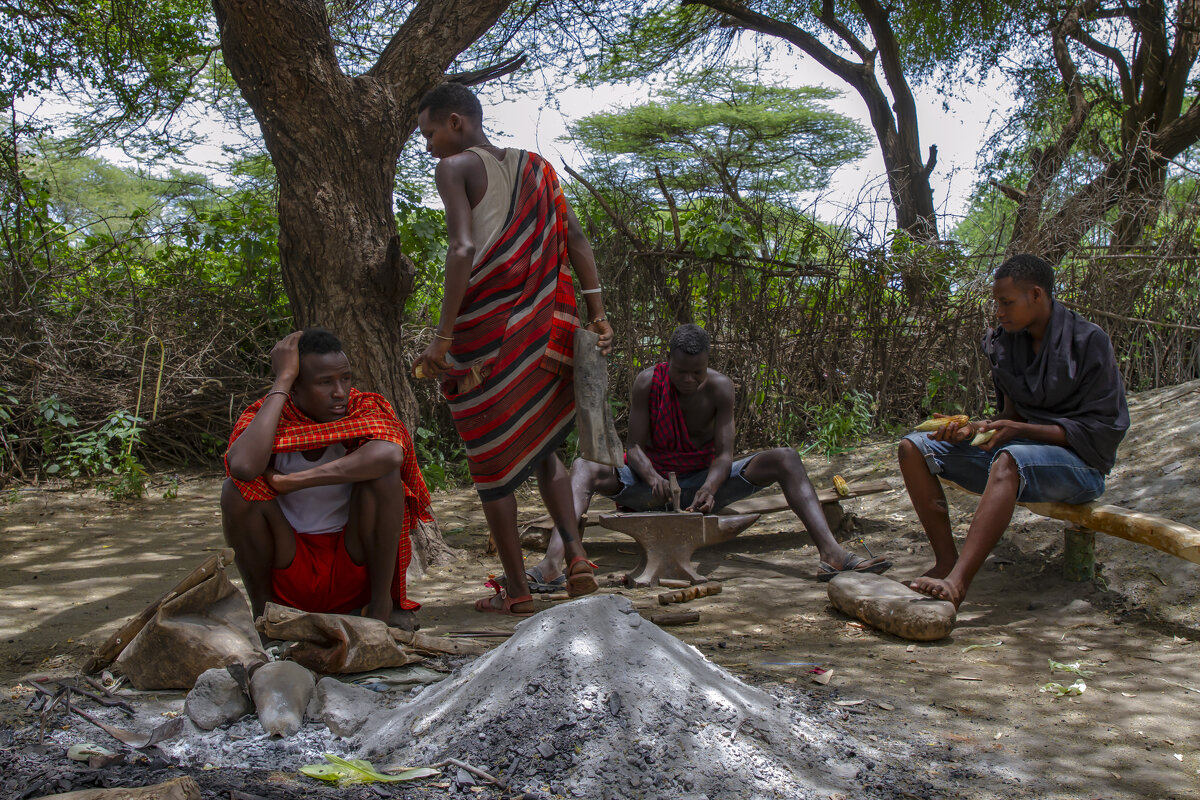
(380, 610)
(404, 620)
(940, 589)
(938, 570)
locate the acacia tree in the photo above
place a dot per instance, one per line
(877, 49)
(1130, 105)
(723, 132)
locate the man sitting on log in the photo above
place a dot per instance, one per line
(323, 490)
(681, 421)
(1062, 415)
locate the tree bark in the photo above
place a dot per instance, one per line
(334, 140)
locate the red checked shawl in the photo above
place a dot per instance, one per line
(671, 448)
(368, 416)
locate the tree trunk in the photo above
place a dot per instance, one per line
(334, 140)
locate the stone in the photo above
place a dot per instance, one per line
(891, 606)
(281, 691)
(342, 707)
(545, 749)
(216, 700)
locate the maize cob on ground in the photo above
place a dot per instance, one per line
(840, 486)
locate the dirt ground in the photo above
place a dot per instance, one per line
(75, 565)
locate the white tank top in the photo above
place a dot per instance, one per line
(318, 509)
(488, 216)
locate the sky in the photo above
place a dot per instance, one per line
(957, 126)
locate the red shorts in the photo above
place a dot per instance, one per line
(322, 578)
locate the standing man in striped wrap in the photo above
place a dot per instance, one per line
(504, 341)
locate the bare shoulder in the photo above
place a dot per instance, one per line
(644, 380)
(457, 167)
(719, 385)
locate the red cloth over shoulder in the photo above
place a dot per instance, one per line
(368, 416)
(671, 448)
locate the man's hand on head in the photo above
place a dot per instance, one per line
(285, 358)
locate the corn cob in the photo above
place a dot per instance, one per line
(983, 437)
(839, 484)
(933, 423)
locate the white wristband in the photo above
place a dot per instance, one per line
(597, 290)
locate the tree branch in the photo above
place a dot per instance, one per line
(608, 209)
(443, 28)
(489, 73)
(1011, 192)
(828, 18)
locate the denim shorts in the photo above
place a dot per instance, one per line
(1049, 473)
(636, 495)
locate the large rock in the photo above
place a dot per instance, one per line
(343, 707)
(216, 700)
(891, 606)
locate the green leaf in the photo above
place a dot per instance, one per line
(356, 770)
(323, 772)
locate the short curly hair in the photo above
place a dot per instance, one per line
(690, 339)
(1028, 268)
(450, 98)
(319, 341)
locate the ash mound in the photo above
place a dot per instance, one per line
(590, 699)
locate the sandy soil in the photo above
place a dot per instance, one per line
(76, 565)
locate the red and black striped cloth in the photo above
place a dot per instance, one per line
(671, 448)
(368, 416)
(515, 330)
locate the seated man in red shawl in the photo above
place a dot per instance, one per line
(323, 490)
(681, 421)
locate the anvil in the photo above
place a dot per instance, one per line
(668, 539)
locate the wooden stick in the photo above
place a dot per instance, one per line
(1157, 532)
(671, 583)
(675, 617)
(423, 642)
(676, 492)
(478, 773)
(690, 593)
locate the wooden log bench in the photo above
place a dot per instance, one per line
(668, 539)
(1085, 520)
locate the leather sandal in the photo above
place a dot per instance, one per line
(581, 578)
(508, 604)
